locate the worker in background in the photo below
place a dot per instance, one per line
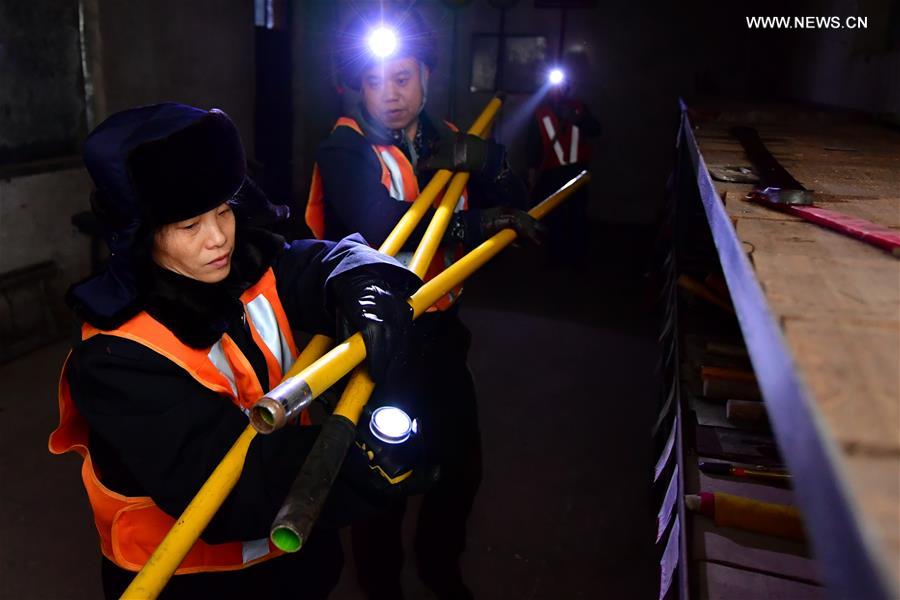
(368, 170)
(558, 149)
(188, 325)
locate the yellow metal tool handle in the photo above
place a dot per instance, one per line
(408, 222)
(164, 561)
(304, 501)
(411, 218)
(306, 498)
(325, 372)
(158, 569)
(284, 402)
(439, 222)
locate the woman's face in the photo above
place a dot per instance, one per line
(199, 247)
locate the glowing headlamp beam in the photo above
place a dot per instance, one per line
(382, 42)
(556, 76)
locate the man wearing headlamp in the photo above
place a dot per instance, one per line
(372, 165)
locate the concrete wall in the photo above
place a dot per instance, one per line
(34, 220)
(199, 52)
(35, 227)
(849, 68)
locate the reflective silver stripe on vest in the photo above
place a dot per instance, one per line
(573, 147)
(217, 358)
(396, 190)
(263, 317)
(461, 204)
(254, 549)
(551, 134)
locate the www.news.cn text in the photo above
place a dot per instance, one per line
(807, 22)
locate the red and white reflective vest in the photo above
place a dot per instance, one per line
(131, 527)
(563, 143)
(399, 179)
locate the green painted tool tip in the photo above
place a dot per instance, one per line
(286, 540)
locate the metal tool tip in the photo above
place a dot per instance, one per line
(286, 539)
(267, 415)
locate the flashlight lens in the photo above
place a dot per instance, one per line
(382, 42)
(390, 424)
(556, 76)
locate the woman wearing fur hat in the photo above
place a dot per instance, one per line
(189, 324)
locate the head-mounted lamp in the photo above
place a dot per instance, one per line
(382, 41)
(556, 76)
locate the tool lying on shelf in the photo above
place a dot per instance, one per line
(704, 291)
(722, 383)
(757, 472)
(779, 190)
(800, 205)
(747, 413)
(738, 512)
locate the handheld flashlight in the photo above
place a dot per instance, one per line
(556, 76)
(382, 42)
(391, 425)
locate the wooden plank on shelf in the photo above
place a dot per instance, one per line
(836, 299)
(721, 582)
(800, 281)
(874, 485)
(750, 550)
(851, 369)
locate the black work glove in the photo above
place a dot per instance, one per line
(391, 469)
(462, 152)
(498, 218)
(381, 313)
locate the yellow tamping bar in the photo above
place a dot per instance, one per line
(161, 565)
(426, 198)
(304, 501)
(357, 393)
(287, 399)
(158, 569)
(417, 209)
(288, 532)
(309, 491)
(434, 234)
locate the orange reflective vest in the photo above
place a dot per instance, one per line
(399, 179)
(563, 143)
(132, 527)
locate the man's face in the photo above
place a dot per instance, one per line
(392, 92)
